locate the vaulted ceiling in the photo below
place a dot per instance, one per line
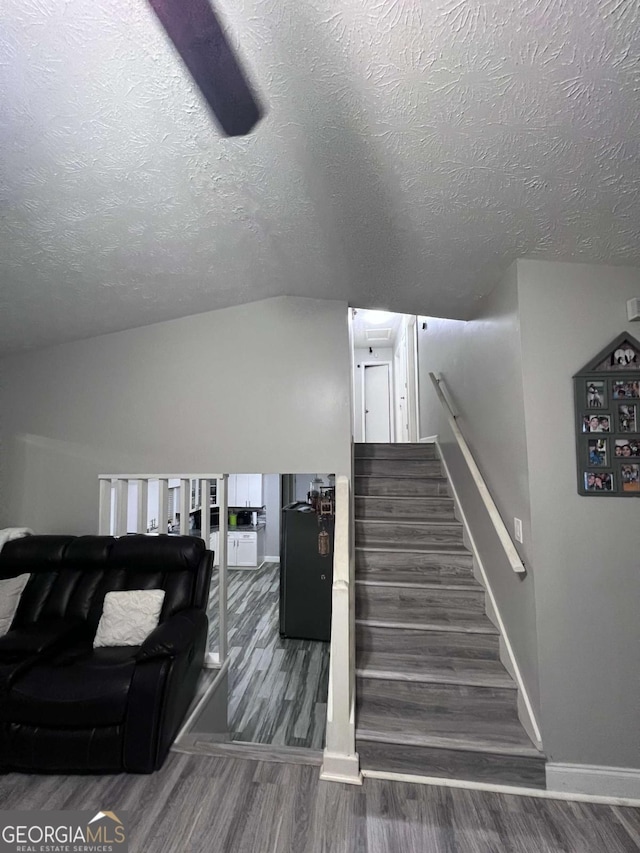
(411, 150)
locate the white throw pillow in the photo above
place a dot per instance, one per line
(10, 592)
(128, 617)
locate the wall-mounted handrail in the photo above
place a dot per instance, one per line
(340, 761)
(113, 518)
(500, 527)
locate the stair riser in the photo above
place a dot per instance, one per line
(453, 764)
(424, 566)
(399, 467)
(407, 609)
(449, 708)
(427, 644)
(421, 509)
(395, 486)
(420, 452)
(406, 535)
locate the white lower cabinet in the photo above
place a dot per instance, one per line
(243, 548)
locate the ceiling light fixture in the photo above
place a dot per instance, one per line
(377, 317)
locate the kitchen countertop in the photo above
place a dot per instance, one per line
(240, 528)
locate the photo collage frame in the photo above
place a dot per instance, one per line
(607, 401)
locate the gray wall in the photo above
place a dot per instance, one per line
(272, 505)
(586, 549)
(480, 361)
(262, 387)
(574, 619)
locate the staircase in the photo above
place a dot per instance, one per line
(433, 698)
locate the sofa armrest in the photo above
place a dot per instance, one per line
(175, 636)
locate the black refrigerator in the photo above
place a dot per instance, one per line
(306, 573)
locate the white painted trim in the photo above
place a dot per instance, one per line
(595, 781)
(337, 767)
(501, 789)
(211, 660)
(530, 723)
(391, 386)
(413, 389)
(430, 439)
(496, 519)
(272, 559)
(160, 476)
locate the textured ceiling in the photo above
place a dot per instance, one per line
(412, 149)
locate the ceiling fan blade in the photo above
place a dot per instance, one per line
(198, 37)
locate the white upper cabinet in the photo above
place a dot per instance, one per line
(245, 490)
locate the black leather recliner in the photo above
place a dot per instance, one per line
(66, 707)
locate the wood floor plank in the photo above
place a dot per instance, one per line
(277, 687)
(198, 803)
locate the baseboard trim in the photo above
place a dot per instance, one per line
(272, 559)
(501, 789)
(429, 439)
(337, 767)
(525, 708)
(594, 780)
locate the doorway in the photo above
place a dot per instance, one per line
(376, 402)
(384, 388)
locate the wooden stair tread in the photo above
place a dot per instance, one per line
(520, 746)
(467, 585)
(420, 547)
(394, 666)
(408, 577)
(453, 627)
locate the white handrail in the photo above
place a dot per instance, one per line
(340, 760)
(501, 529)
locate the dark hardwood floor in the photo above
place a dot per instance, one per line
(277, 688)
(229, 805)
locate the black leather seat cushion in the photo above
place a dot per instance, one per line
(84, 687)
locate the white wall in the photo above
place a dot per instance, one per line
(586, 549)
(260, 387)
(361, 355)
(481, 363)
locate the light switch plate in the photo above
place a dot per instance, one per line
(517, 528)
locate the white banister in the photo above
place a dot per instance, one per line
(501, 530)
(104, 516)
(143, 505)
(222, 495)
(185, 505)
(340, 760)
(122, 505)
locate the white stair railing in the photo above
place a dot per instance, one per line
(496, 519)
(115, 518)
(340, 759)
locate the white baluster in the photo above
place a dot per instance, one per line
(163, 504)
(185, 505)
(104, 514)
(122, 503)
(143, 505)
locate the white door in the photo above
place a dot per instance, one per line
(402, 405)
(377, 411)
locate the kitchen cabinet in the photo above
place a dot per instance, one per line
(244, 548)
(245, 490)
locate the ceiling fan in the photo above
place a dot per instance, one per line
(198, 37)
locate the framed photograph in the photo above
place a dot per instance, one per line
(630, 477)
(595, 394)
(626, 389)
(627, 417)
(596, 423)
(626, 448)
(598, 481)
(598, 452)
